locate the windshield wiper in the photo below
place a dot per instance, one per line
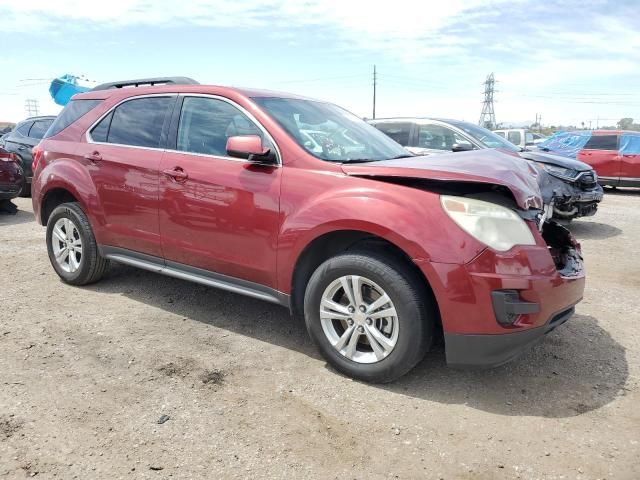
(404, 155)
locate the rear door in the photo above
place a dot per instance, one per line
(630, 159)
(601, 152)
(221, 214)
(122, 154)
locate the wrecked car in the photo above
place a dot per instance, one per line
(570, 186)
(379, 251)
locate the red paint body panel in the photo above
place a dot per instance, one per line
(223, 218)
(254, 221)
(606, 163)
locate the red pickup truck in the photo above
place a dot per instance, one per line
(298, 202)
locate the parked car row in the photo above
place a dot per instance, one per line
(614, 154)
(21, 140)
(568, 185)
(298, 202)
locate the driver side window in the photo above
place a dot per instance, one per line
(437, 137)
(206, 124)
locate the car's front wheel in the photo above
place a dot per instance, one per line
(370, 315)
(72, 247)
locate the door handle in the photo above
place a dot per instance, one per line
(93, 156)
(22, 147)
(177, 173)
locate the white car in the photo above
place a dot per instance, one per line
(521, 136)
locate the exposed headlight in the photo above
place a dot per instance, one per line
(494, 225)
(558, 171)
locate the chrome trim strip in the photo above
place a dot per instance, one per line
(217, 157)
(194, 274)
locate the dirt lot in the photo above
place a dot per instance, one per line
(87, 373)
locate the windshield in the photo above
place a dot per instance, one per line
(330, 133)
(486, 137)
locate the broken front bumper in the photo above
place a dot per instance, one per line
(498, 304)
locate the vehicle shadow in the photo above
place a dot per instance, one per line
(575, 369)
(21, 216)
(586, 230)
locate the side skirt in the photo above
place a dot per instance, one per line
(193, 274)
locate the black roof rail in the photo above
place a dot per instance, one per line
(147, 82)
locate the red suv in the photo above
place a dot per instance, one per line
(300, 203)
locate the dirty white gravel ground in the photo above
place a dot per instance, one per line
(86, 373)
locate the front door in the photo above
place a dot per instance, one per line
(122, 156)
(218, 213)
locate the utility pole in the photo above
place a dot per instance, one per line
(375, 81)
(488, 116)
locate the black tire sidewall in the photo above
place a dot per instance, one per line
(77, 216)
(415, 325)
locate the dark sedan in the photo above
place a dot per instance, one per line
(22, 139)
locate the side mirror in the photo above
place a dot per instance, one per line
(461, 147)
(250, 148)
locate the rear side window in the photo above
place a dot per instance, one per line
(500, 133)
(136, 122)
(515, 137)
(39, 128)
(74, 110)
(400, 132)
(602, 142)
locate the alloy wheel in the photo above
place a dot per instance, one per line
(359, 319)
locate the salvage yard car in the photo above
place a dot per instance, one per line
(614, 154)
(570, 186)
(21, 141)
(11, 179)
(378, 250)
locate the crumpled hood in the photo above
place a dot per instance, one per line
(550, 158)
(479, 166)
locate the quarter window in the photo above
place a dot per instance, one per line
(437, 137)
(207, 123)
(24, 129)
(136, 122)
(602, 142)
(74, 110)
(39, 128)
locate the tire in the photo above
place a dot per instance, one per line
(25, 191)
(408, 294)
(89, 264)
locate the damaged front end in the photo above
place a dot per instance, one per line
(572, 196)
(564, 249)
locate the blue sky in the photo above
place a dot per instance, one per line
(570, 61)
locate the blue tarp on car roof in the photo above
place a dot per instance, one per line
(567, 144)
(630, 144)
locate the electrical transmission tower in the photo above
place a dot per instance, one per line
(31, 107)
(488, 116)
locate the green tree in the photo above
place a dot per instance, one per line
(625, 123)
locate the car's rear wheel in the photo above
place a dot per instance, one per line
(370, 315)
(72, 247)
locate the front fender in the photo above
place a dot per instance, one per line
(411, 219)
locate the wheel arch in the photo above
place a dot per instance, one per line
(336, 242)
(51, 199)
